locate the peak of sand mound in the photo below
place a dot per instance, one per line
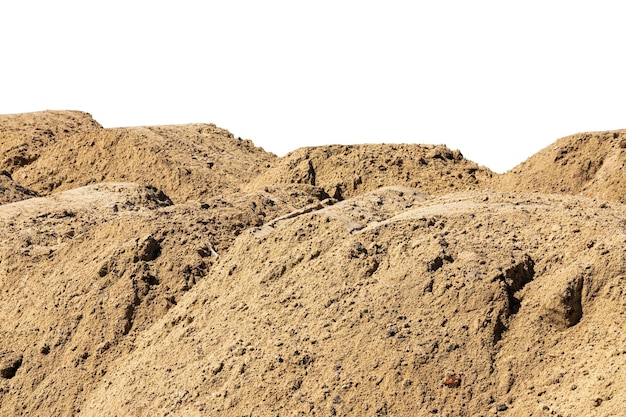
(24, 136)
(348, 170)
(590, 164)
(186, 162)
(179, 271)
(30, 127)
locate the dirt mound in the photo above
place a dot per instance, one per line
(57, 151)
(186, 162)
(589, 164)
(85, 271)
(345, 171)
(23, 137)
(393, 303)
(177, 270)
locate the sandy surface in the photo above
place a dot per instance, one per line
(177, 270)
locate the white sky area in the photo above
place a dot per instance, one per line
(499, 80)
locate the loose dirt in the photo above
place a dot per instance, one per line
(178, 270)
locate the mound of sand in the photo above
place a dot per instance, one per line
(83, 272)
(589, 164)
(177, 270)
(24, 137)
(346, 171)
(187, 162)
(367, 306)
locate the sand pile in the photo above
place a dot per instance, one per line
(588, 164)
(340, 280)
(70, 150)
(367, 306)
(346, 171)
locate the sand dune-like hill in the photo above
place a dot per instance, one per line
(192, 161)
(84, 271)
(180, 271)
(589, 164)
(363, 308)
(26, 136)
(348, 170)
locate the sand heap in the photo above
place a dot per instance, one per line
(347, 171)
(339, 280)
(588, 164)
(25, 136)
(367, 306)
(70, 150)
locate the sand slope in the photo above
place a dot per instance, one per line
(177, 270)
(590, 164)
(362, 308)
(187, 162)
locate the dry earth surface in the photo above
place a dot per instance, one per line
(178, 270)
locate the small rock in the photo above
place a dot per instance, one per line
(217, 367)
(501, 407)
(453, 381)
(392, 330)
(9, 364)
(150, 249)
(104, 270)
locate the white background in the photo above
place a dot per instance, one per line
(498, 80)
